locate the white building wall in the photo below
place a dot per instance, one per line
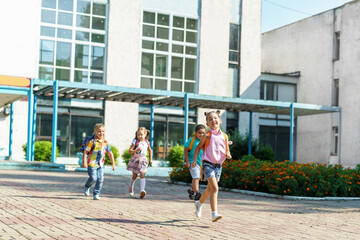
(19, 42)
(349, 81)
(307, 46)
(250, 69)
(20, 54)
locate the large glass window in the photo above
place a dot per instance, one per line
(169, 52)
(234, 61)
(276, 91)
(72, 40)
(71, 130)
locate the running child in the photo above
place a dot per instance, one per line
(216, 151)
(138, 163)
(195, 172)
(94, 159)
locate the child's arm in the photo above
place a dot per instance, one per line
(84, 159)
(227, 154)
(186, 156)
(150, 155)
(132, 149)
(197, 150)
(111, 156)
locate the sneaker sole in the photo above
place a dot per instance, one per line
(142, 194)
(216, 219)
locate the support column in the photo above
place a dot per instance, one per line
(33, 129)
(186, 117)
(54, 121)
(152, 125)
(11, 129)
(250, 133)
(291, 150)
(30, 120)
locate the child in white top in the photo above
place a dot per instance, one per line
(138, 163)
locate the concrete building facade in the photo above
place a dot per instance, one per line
(207, 47)
(325, 50)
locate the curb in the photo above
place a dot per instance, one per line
(269, 195)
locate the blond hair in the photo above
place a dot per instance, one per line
(145, 131)
(98, 125)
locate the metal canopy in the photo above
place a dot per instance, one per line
(65, 89)
(172, 98)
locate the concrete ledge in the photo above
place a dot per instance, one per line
(287, 197)
(151, 171)
(33, 166)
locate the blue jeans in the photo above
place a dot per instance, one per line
(96, 174)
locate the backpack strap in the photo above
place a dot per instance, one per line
(192, 142)
(207, 141)
(148, 142)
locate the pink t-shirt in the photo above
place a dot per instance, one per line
(216, 150)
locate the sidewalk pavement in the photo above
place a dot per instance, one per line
(51, 205)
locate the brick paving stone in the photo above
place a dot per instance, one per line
(51, 205)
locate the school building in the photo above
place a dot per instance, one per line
(207, 47)
(323, 54)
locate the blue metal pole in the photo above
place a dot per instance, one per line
(186, 117)
(30, 118)
(11, 129)
(250, 133)
(152, 125)
(33, 130)
(54, 122)
(291, 132)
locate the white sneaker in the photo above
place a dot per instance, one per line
(198, 209)
(86, 191)
(131, 194)
(142, 194)
(216, 217)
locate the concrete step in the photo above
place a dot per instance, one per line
(33, 166)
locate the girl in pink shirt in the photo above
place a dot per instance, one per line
(214, 155)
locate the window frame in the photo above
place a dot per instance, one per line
(170, 42)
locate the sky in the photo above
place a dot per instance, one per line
(278, 13)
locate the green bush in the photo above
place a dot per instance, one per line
(126, 156)
(42, 151)
(239, 148)
(284, 178)
(116, 154)
(175, 156)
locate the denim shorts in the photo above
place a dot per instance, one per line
(195, 172)
(212, 171)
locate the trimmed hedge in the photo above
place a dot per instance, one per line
(42, 151)
(284, 178)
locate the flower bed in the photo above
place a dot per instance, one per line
(284, 178)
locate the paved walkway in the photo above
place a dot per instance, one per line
(51, 205)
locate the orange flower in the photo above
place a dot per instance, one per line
(307, 189)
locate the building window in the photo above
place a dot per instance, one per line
(335, 141)
(169, 52)
(234, 45)
(72, 40)
(335, 100)
(234, 61)
(337, 46)
(278, 138)
(276, 91)
(168, 130)
(232, 121)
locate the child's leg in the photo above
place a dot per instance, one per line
(92, 177)
(213, 192)
(99, 181)
(195, 185)
(142, 181)
(205, 194)
(132, 182)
